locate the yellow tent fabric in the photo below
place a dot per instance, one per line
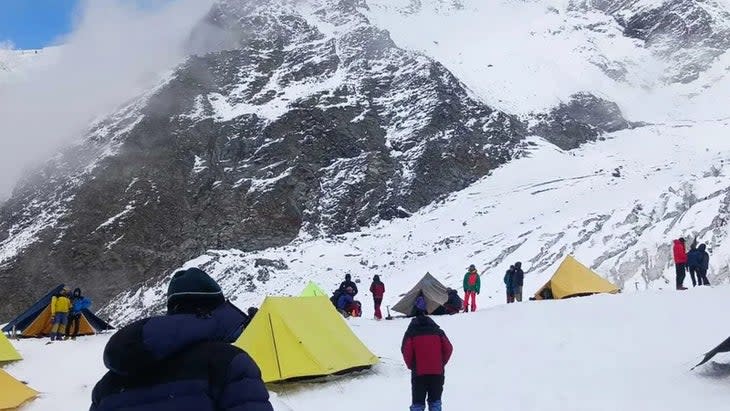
(13, 393)
(296, 337)
(313, 290)
(7, 351)
(574, 279)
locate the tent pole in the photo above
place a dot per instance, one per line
(276, 351)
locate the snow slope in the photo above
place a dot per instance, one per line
(614, 204)
(624, 352)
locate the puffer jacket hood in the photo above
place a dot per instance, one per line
(135, 349)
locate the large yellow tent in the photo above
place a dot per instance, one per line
(296, 337)
(573, 279)
(13, 393)
(7, 351)
(313, 290)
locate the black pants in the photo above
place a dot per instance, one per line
(431, 386)
(692, 272)
(73, 322)
(681, 273)
(702, 277)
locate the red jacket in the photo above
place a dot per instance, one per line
(426, 349)
(680, 254)
(377, 289)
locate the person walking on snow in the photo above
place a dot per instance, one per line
(680, 262)
(377, 289)
(184, 360)
(472, 284)
(60, 307)
(704, 265)
(426, 350)
(78, 303)
(518, 280)
(508, 276)
(694, 260)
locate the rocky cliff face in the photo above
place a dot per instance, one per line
(304, 125)
(690, 33)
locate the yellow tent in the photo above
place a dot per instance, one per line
(573, 279)
(312, 290)
(7, 351)
(13, 393)
(296, 337)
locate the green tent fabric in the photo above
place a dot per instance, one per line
(313, 290)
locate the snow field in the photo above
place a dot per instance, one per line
(622, 352)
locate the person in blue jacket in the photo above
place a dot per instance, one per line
(78, 303)
(183, 361)
(694, 262)
(703, 266)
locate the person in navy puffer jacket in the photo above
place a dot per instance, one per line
(183, 361)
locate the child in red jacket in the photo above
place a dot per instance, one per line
(377, 289)
(426, 351)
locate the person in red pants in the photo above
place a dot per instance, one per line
(377, 289)
(472, 284)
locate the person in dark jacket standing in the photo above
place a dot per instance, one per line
(694, 260)
(426, 351)
(377, 289)
(183, 361)
(518, 280)
(508, 286)
(680, 262)
(704, 265)
(348, 283)
(78, 304)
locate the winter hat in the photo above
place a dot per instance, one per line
(347, 277)
(191, 290)
(681, 239)
(376, 278)
(472, 267)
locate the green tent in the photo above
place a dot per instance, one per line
(313, 290)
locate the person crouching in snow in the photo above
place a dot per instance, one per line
(472, 285)
(377, 289)
(184, 360)
(426, 351)
(347, 305)
(60, 307)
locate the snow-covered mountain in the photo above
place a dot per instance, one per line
(394, 137)
(18, 64)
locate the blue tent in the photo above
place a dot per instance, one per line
(35, 321)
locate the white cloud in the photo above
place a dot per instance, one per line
(117, 50)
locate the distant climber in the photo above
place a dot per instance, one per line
(419, 305)
(426, 351)
(78, 303)
(454, 304)
(60, 308)
(704, 265)
(349, 283)
(377, 289)
(184, 360)
(472, 284)
(680, 262)
(347, 305)
(518, 280)
(508, 284)
(694, 261)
